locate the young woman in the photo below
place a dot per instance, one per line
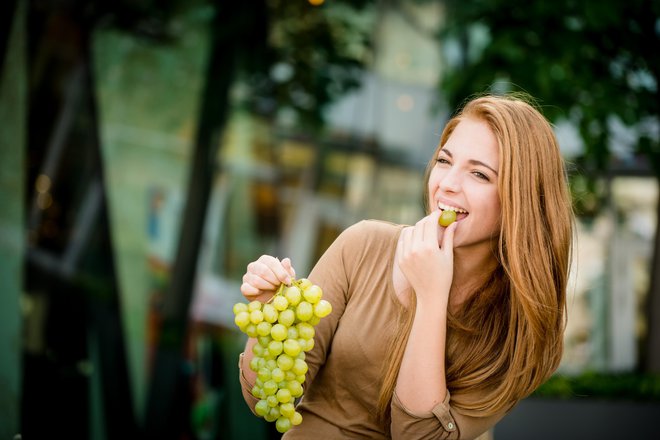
(438, 332)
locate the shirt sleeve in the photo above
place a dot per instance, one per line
(442, 422)
(332, 274)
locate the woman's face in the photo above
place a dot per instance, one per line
(464, 179)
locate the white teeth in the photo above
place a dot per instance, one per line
(450, 208)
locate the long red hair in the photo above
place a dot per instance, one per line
(507, 338)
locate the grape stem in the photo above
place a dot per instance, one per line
(280, 291)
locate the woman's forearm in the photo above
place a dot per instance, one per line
(421, 383)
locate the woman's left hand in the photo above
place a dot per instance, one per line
(427, 261)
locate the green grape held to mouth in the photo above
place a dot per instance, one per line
(447, 218)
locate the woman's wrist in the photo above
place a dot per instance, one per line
(436, 301)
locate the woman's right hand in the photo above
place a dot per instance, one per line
(264, 276)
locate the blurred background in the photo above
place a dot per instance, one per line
(150, 149)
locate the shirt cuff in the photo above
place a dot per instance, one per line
(441, 411)
(244, 382)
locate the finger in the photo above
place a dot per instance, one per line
(434, 216)
(431, 227)
(269, 268)
(448, 236)
(289, 267)
(280, 271)
(248, 290)
(252, 294)
(260, 283)
(418, 233)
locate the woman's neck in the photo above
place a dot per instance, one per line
(471, 269)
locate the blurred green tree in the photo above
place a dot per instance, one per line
(592, 64)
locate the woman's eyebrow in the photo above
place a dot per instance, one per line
(471, 161)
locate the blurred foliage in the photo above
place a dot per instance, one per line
(593, 64)
(631, 386)
(295, 57)
(313, 55)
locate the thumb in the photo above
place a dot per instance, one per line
(286, 262)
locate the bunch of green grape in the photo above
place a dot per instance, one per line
(284, 329)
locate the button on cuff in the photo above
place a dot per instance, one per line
(442, 413)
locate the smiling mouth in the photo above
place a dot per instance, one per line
(460, 212)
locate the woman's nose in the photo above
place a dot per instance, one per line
(450, 182)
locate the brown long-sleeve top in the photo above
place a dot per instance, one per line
(346, 364)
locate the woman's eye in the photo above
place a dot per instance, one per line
(481, 175)
(441, 160)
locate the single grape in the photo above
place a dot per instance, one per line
(299, 367)
(242, 319)
(287, 317)
(322, 308)
(274, 411)
(251, 330)
(305, 330)
(264, 340)
(271, 364)
(295, 388)
(270, 313)
(254, 305)
(283, 395)
(304, 311)
(287, 409)
(270, 418)
(254, 363)
(292, 333)
(273, 414)
(270, 387)
(240, 307)
(304, 283)
(256, 316)
(296, 419)
(293, 295)
(258, 350)
(275, 347)
(263, 328)
(272, 401)
(265, 374)
(285, 362)
(262, 408)
(278, 332)
(283, 424)
(277, 374)
(447, 218)
(312, 294)
(280, 303)
(309, 344)
(257, 391)
(291, 347)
